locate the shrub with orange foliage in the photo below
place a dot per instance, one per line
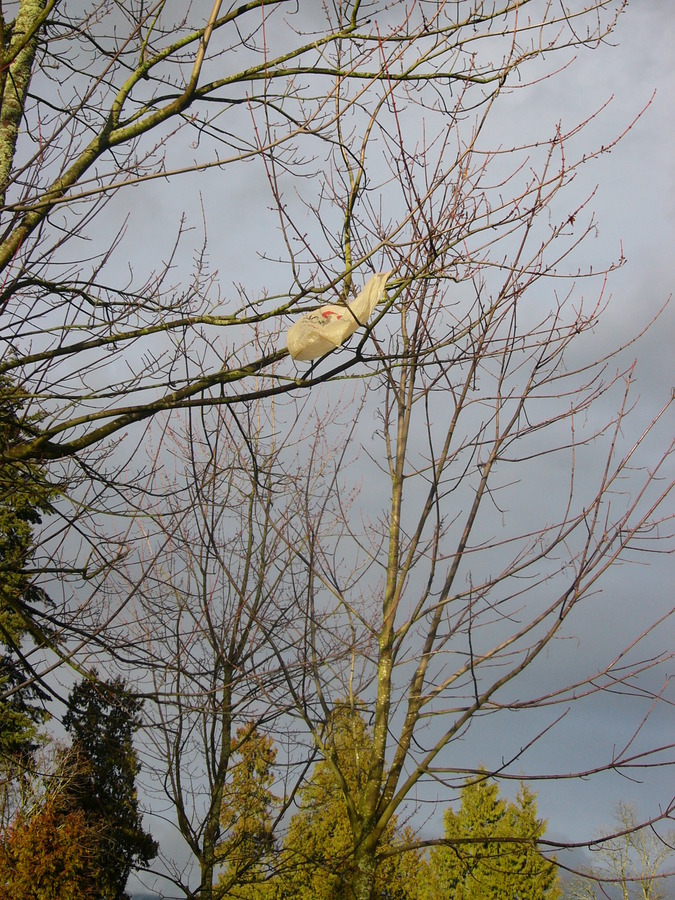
(50, 854)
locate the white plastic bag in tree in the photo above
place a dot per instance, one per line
(327, 328)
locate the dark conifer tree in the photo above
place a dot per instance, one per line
(102, 718)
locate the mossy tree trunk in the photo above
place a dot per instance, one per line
(20, 40)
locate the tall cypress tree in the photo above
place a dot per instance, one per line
(102, 718)
(247, 814)
(492, 852)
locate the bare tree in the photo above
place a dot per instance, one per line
(218, 586)
(458, 587)
(632, 862)
(369, 130)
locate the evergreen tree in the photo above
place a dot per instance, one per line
(248, 808)
(491, 852)
(25, 494)
(317, 857)
(102, 718)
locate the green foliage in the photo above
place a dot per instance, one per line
(317, 858)
(25, 493)
(248, 807)
(102, 718)
(20, 716)
(78, 832)
(491, 852)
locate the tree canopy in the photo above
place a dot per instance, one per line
(492, 849)
(101, 719)
(50, 855)
(634, 861)
(319, 848)
(25, 495)
(315, 859)
(248, 809)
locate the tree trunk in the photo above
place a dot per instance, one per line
(363, 884)
(19, 46)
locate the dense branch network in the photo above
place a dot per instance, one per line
(320, 574)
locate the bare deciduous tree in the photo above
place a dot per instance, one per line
(632, 862)
(269, 583)
(214, 625)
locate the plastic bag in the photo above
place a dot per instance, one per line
(328, 328)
